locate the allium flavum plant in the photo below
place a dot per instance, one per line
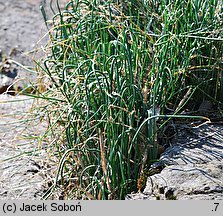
(111, 69)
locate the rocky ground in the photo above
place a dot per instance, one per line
(21, 32)
(22, 36)
(191, 168)
(23, 162)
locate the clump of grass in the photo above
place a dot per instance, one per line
(110, 67)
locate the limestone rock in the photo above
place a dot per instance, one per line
(183, 182)
(23, 162)
(202, 181)
(6, 80)
(193, 168)
(197, 146)
(7, 74)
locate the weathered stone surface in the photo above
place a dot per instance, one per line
(203, 182)
(22, 160)
(24, 166)
(21, 28)
(22, 33)
(7, 76)
(188, 182)
(194, 168)
(5, 82)
(195, 146)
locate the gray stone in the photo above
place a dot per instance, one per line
(24, 167)
(5, 82)
(202, 181)
(183, 182)
(200, 145)
(23, 164)
(193, 168)
(7, 73)
(7, 79)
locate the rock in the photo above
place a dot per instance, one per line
(24, 163)
(193, 168)
(195, 146)
(6, 80)
(5, 83)
(7, 74)
(202, 181)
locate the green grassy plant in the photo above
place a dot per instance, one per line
(112, 68)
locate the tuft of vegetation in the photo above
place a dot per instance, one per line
(111, 69)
